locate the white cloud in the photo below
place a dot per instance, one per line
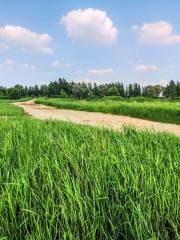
(88, 80)
(159, 33)
(91, 26)
(101, 72)
(58, 64)
(67, 65)
(26, 39)
(163, 82)
(146, 68)
(3, 47)
(11, 65)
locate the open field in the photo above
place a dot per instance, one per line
(117, 122)
(7, 109)
(116, 186)
(89, 120)
(161, 111)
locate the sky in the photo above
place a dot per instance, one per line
(89, 40)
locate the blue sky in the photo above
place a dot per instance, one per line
(100, 40)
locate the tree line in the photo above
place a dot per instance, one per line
(63, 88)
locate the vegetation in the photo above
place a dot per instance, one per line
(8, 109)
(162, 111)
(116, 186)
(62, 88)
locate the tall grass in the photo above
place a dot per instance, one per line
(168, 112)
(64, 181)
(8, 109)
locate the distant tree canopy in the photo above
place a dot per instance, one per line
(153, 91)
(63, 88)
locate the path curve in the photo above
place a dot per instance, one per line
(95, 118)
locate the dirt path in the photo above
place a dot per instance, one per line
(95, 118)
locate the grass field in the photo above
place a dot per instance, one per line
(8, 109)
(161, 111)
(64, 181)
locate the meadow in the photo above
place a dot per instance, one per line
(64, 181)
(155, 110)
(9, 110)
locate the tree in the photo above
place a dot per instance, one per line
(178, 89)
(44, 91)
(63, 94)
(171, 90)
(158, 90)
(130, 90)
(3, 91)
(121, 89)
(95, 90)
(84, 90)
(137, 90)
(149, 92)
(113, 91)
(103, 90)
(15, 93)
(36, 91)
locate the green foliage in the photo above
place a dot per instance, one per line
(63, 94)
(172, 90)
(113, 98)
(82, 90)
(24, 99)
(14, 93)
(153, 91)
(113, 91)
(8, 109)
(63, 181)
(162, 111)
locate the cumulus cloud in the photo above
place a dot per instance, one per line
(11, 65)
(160, 33)
(146, 68)
(58, 64)
(101, 72)
(26, 39)
(91, 26)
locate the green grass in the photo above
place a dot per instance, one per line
(161, 111)
(10, 110)
(24, 99)
(65, 181)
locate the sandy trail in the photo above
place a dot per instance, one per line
(95, 118)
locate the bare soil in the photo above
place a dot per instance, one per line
(95, 118)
